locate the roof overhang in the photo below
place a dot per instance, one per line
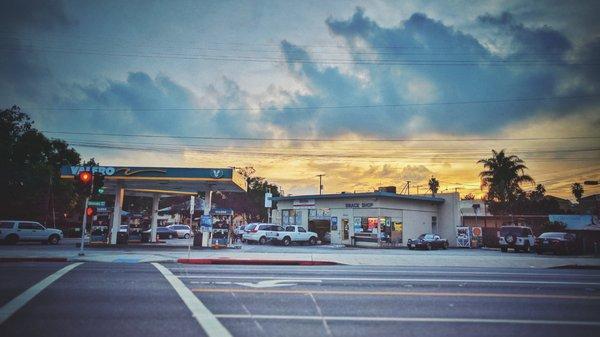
(362, 195)
(144, 181)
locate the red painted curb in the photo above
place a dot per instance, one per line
(258, 262)
(33, 259)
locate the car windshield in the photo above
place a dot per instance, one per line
(552, 236)
(250, 227)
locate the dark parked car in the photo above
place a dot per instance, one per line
(162, 232)
(427, 241)
(556, 242)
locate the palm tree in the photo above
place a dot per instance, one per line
(434, 185)
(577, 191)
(503, 176)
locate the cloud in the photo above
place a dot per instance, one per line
(21, 71)
(476, 73)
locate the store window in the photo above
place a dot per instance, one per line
(291, 217)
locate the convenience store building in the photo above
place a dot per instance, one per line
(371, 219)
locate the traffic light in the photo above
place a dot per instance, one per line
(90, 211)
(83, 183)
(98, 184)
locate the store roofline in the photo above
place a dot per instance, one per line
(362, 195)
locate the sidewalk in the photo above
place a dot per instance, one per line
(350, 256)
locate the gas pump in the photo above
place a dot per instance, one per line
(221, 229)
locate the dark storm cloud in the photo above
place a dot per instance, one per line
(543, 42)
(140, 103)
(20, 69)
(476, 74)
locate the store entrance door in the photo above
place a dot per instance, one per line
(345, 231)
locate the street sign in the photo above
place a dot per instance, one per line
(268, 201)
(97, 203)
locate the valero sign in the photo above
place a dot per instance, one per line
(105, 170)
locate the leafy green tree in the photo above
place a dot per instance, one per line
(434, 185)
(502, 176)
(30, 170)
(577, 190)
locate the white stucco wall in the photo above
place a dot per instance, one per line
(416, 215)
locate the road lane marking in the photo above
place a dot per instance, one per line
(204, 317)
(395, 293)
(275, 283)
(18, 302)
(304, 270)
(411, 319)
(372, 279)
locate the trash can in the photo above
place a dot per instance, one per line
(197, 239)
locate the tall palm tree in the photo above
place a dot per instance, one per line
(577, 191)
(434, 185)
(503, 176)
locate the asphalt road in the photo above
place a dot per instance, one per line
(98, 299)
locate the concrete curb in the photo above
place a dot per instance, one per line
(258, 262)
(34, 259)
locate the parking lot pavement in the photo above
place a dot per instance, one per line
(359, 301)
(348, 255)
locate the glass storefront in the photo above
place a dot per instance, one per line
(291, 217)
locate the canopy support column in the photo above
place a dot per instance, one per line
(154, 223)
(116, 218)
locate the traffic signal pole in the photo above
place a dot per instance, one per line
(83, 226)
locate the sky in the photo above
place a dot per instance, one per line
(369, 93)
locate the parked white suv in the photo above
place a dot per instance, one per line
(520, 238)
(296, 234)
(261, 232)
(13, 231)
(183, 231)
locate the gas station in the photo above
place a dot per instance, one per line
(157, 182)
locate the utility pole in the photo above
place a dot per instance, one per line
(320, 183)
(408, 187)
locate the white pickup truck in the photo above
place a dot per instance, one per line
(13, 231)
(296, 234)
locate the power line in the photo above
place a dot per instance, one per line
(323, 139)
(360, 106)
(221, 58)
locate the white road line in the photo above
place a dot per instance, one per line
(205, 318)
(372, 279)
(18, 302)
(412, 319)
(305, 270)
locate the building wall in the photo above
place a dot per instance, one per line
(449, 216)
(416, 216)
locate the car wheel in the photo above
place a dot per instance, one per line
(53, 239)
(262, 240)
(286, 241)
(186, 236)
(504, 249)
(411, 247)
(11, 239)
(312, 241)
